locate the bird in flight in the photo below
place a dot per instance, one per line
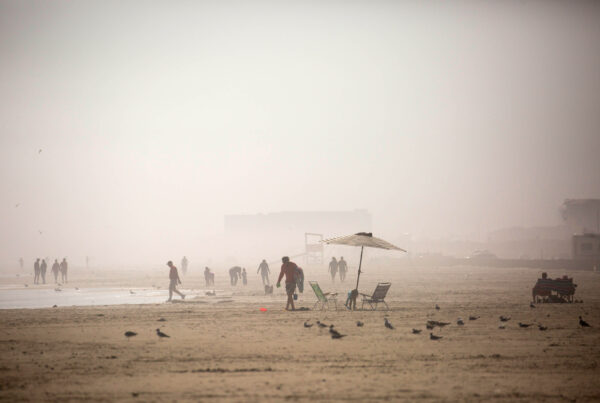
(39, 151)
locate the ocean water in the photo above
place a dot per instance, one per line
(16, 298)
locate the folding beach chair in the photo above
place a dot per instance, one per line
(323, 298)
(378, 296)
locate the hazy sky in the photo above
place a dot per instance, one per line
(156, 118)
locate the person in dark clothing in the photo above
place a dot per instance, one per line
(263, 268)
(235, 273)
(173, 281)
(55, 270)
(289, 270)
(43, 268)
(343, 268)
(209, 278)
(36, 271)
(333, 268)
(64, 267)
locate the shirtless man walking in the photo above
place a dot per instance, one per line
(289, 270)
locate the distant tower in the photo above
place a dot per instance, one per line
(314, 251)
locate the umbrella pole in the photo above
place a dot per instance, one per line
(359, 265)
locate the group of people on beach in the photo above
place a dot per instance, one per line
(294, 278)
(338, 265)
(40, 268)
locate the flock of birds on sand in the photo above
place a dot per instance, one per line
(430, 325)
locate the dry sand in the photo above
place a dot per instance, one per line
(225, 349)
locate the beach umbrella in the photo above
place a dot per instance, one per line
(362, 239)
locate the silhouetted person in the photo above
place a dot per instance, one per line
(21, 263)
(184, 265)
(173, 281)
(64, 268)
(263, 268)
(289, 270)
(55, 270)
(209, 278)
(343, 268)
(235, 273)
(244, 277)
(43, 268)
(36, 271)
(333, 268)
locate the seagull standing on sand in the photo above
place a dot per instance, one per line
(524, 324)
(416, 331)
(129, 334)
(437, 307)
(306, 324)
(583, 323)
(433, 337)
(504, 318)
(161, 334)
(321, 324)
(473, 317)
(334, 333)
(359, 323)
(388, 324)
(542, 328)
(531, 305)
(460, 322)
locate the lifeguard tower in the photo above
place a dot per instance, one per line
(313, 248)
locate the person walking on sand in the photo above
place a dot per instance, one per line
(64, 268)
(263, 268)
(289, 270)
(343, 268)
(43, 268)
(21, 263)
(333, 268)
(244, 277)
(184, 265)
(174, 281)
(55, 270)
(36, 271)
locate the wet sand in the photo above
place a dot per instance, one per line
(224, 349)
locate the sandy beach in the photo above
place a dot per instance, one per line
(224, 348)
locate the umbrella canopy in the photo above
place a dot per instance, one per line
(361, 239)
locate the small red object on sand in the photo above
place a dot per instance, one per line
(263, 309)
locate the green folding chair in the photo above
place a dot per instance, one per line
(323, 298)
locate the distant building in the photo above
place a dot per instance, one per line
(256, 235)
(581, 215)
(586, 247)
